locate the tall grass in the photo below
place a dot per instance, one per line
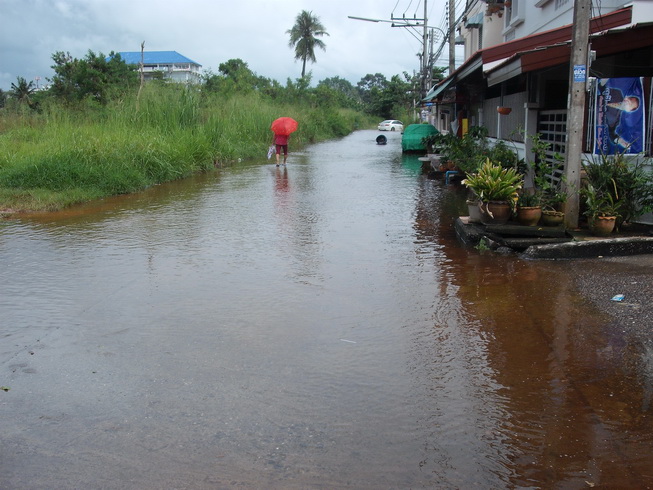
(70, 155)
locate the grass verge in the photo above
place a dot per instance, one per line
(64, 156)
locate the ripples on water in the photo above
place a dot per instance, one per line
(310, 326)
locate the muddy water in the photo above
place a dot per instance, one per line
(315, 326)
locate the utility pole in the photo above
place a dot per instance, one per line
(452, 37)
(578, 71)
(425, 56)
(426, 62)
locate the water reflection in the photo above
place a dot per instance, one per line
(314, 325)
(548, 367)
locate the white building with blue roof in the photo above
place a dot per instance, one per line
(172, 65)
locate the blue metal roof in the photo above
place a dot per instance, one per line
(154, 58)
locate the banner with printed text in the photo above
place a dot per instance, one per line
(619, 116)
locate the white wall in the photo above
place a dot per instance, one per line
(526, 17)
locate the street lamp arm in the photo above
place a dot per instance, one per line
(366, 19)
(398, 24)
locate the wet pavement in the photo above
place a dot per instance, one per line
(313, 326)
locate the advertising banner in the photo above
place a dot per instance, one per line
(619, 116)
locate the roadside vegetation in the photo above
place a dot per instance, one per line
(95, 132)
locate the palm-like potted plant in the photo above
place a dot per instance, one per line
(601, 210)
(497, 189)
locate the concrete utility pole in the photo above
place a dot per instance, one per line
(452, 37)
(426, 62)
(578, 71)
(425, 56)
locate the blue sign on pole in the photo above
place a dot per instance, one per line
(580, 72)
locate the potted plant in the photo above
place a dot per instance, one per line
(553, 200)
(552, 197)
(628, 181)
(465, 154)
(601, 210)
(497, 188)
(494, 7)
(529, 207)
(502, 154)
(434, 143)
(473, 208)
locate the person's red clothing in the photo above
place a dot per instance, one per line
(281, 139)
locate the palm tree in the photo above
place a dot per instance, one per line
(22, 90)
(303, 37)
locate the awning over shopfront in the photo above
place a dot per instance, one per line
(471, 65)
(604, 43)
(550, 48)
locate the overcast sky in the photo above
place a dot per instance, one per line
(211, 32)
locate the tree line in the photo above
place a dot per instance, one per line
(97, 78)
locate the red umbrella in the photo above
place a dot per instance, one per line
(284, 126)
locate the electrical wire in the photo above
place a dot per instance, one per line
(416, 9)
(409, 4)
(393, 10)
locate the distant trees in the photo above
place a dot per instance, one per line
(22, 91)
(234, 75)
(100, 79)
(304, 37)
(387, 98)
(344, 93)
(95, 76)
(373, 94)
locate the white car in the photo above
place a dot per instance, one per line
(391, 125)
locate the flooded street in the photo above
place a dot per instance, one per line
(315, 326)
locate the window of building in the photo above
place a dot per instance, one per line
(513, 14)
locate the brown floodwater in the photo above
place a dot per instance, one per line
(313, 326)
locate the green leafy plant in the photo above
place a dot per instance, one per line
(494, 183)
(483, 245)
(467, 153)
(599, 203)
(625, 181)
(473, 149)
(434, 142)
(551, 193)
(502, 154)
(470, 152)
(529, 199)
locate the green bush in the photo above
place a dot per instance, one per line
(622, 184)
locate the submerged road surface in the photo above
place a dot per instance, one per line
(308, 326)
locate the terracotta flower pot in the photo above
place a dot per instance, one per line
(529, 215)
(602, 225)
(552, 218)
(495, 212)
(504, 111)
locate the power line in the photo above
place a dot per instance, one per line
(409, 4)
(417, 8)
(393, 10)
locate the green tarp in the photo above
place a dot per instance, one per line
(413, 134)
